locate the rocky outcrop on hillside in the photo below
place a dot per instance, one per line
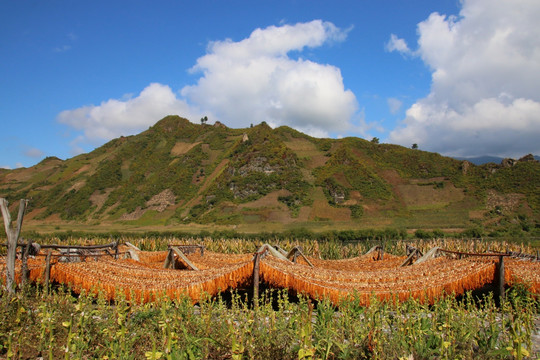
(528, 158)
(508, 162)
(505, 202)
(161, 201)
(465, 165)
(257, 164)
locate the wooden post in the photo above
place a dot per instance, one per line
(12, 237)
(116, 250)
(47, 270)
(168, 259)
(256, 268)
(305, 258)
(409, 259)
(24, 268)
(501, 277)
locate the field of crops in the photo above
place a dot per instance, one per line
(345, 304)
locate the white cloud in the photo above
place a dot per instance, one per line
(255, 80)
(485, 92)
(72, 37)
(241, 83)
(63, 48)
(33, 153)
(7, 167)
(394, 105)
(397, 44)
(75, 144)
(113, 118)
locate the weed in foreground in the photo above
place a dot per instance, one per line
(58, 325)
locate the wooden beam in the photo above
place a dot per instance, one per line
(79, 247)
(272, 251)
(283, 252)
(133, 251)
(184, 258)
(290, 253)
(130, 245)
(429, 255)
(373, 249)
(133, 254)
(409, 259)
(295, 252)
(188, 249)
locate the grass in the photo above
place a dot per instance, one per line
(435, 206)
(59, 325)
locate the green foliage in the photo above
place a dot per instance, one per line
(474, 233)
(345, 172)
(356, 211)
(523, 176)
(108, 174)
(58, 325)
(324, 144)
(196, 211)
(422, 234)
(293, 202)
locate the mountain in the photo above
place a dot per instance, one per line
(481, 160)
(177, 173)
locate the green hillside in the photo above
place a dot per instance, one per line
(182, 174)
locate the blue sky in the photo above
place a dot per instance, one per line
(458, 78)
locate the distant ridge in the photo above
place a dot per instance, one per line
(481, 160)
